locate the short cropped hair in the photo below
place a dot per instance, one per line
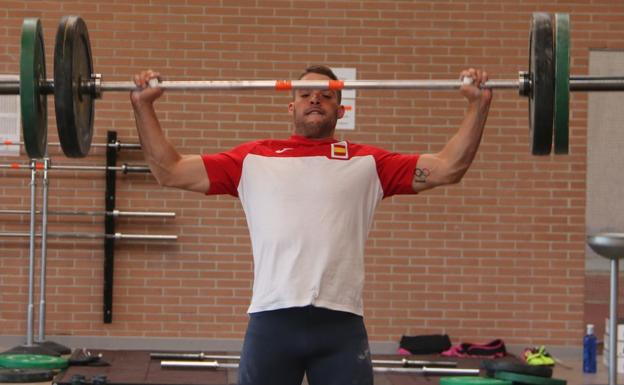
(322, 70)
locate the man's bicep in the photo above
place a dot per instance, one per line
(429, 173)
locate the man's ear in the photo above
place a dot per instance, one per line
(341, 111)
(291, 107)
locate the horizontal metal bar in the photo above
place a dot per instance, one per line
(12, 87)
(427, 370)
(378, 369)
(191, 356)
(118, 145)
(125, 168)
(9, 87)
(412, 363)
(307, 84)
(197, 365)
(203, 356)
(596, 83)
(114, 213)
(118, 236)
(577, 83)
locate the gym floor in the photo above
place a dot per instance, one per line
(571, 370)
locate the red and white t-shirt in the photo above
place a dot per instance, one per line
(309, 206)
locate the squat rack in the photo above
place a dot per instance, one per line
(113, 146)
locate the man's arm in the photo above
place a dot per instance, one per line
(167, 165)
(451, 163)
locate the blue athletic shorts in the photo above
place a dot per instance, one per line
(330, 347)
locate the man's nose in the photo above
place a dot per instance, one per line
(315, 98)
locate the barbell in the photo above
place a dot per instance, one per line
(75, 85)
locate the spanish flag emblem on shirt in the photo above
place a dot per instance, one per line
(339, 150)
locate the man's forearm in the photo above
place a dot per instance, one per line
(160, 154)
(461, 149)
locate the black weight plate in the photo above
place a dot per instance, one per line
(25, 375)
(73, 67)
(33, 102)
(542, 74)
(493, 366)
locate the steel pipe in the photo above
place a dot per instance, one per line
(596, 83)
(118, 145)
(378, 369)
(125, 168)
(285, 85)
(118, 236)
(31, 257)
(203, 356)
(114, 213)
(577, 83)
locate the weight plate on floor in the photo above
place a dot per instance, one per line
(32, 361)
(518, 378)
(73, 67)
(25, 375)
(542, 94)
(562, 83)
(493, 366)
(34, 103)
(472, 380)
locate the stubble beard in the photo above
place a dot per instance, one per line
(317, 129)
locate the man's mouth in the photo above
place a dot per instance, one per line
(315, 111)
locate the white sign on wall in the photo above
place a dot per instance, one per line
(348, 99)
(9, 121)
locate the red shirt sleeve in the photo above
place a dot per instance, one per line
(224, 169)
(395, 171)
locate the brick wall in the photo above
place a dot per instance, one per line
(500, 255)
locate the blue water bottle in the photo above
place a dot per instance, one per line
(589, 350)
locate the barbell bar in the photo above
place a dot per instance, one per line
(378, 369)
(76, 86)
(114, 213)
(116, 144)
(576, 83)
(125, 168)
(116, 236)
(174, 356)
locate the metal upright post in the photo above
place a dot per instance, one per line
(31, 254)
(30, 347)
(41, 341)
(109, 225)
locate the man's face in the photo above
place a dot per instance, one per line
(315, 112)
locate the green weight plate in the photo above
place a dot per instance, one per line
(472, 380)
(73, 67)
(562, 83)
(542, 94)
(32, 361)
(25, 375)
(34, 103)
(522, 379)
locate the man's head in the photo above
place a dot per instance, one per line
(316, 112)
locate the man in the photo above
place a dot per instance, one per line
(309, 203)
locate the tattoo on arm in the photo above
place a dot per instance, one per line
(421, 174)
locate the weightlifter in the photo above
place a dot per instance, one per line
(309, 202)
